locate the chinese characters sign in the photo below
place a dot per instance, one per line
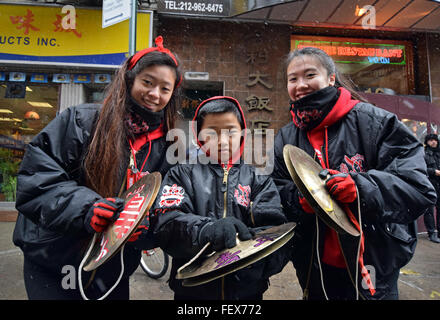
(256, 57)
(39, 34)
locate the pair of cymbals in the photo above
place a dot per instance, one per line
(305, 173)
(137, 201)
(209, 265)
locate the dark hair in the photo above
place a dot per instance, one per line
(158, 58)
(328, 63)
(218, 106)
(105, 155)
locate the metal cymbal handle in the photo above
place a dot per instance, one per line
(86, 256)
(324, 174)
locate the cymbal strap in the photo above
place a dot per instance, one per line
(86, 256)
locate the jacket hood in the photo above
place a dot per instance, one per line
(196, 130)
(431, 136)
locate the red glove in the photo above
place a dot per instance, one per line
(305, 205)
(102, 213)
(341, 186)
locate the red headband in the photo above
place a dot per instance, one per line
(159, 47)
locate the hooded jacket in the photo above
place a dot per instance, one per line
(386, 162)
(193, 195)
(432, 158)
(52, 199)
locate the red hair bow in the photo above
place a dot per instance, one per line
(159, 47)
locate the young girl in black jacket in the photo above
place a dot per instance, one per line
(375, 165)
(213, 200)
(74, 169)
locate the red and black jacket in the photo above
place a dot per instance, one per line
(193, 195)
(387, 164)
(52, 198)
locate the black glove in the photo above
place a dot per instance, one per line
(102, 213)
(222, 233)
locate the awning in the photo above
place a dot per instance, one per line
(398, 15)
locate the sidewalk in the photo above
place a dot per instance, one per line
(419, 280)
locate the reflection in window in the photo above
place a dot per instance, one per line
(418, 128)
(377, 78)
(24, 111)
(434, 128)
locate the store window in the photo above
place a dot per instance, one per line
(376, 66)
(193, 93)
(418, 128)
(435, 128)
(94, 92)
(25, 109)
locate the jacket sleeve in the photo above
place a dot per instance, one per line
(48, 192)
(396, 188)
(266, 202)
(430, 166)
(284, 182)
(175, 223)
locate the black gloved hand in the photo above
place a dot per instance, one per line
(102, 213)
(222, 233)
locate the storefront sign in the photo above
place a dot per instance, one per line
(257, 57)
(195, 7)
(102, 78)
(17, 76)
(39, 77)
(37, 34)
(81, 78)
(61, 78)
(349, 52)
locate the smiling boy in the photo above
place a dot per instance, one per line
(201, 203)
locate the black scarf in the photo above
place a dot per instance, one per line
(140, 120)
(309, 111)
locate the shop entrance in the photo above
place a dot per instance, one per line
(25, 109)
(194, 92)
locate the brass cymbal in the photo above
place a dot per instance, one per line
(305, 173)
(138, 200)
(209, 265)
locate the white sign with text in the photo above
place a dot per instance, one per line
(115, 11)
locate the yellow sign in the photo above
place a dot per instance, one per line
(51, 34)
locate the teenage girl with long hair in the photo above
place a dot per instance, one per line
(74, 169)
(375, 170)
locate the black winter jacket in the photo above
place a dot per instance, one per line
(52, 198)
(386, 162)
(193, 195)
(432, 158)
